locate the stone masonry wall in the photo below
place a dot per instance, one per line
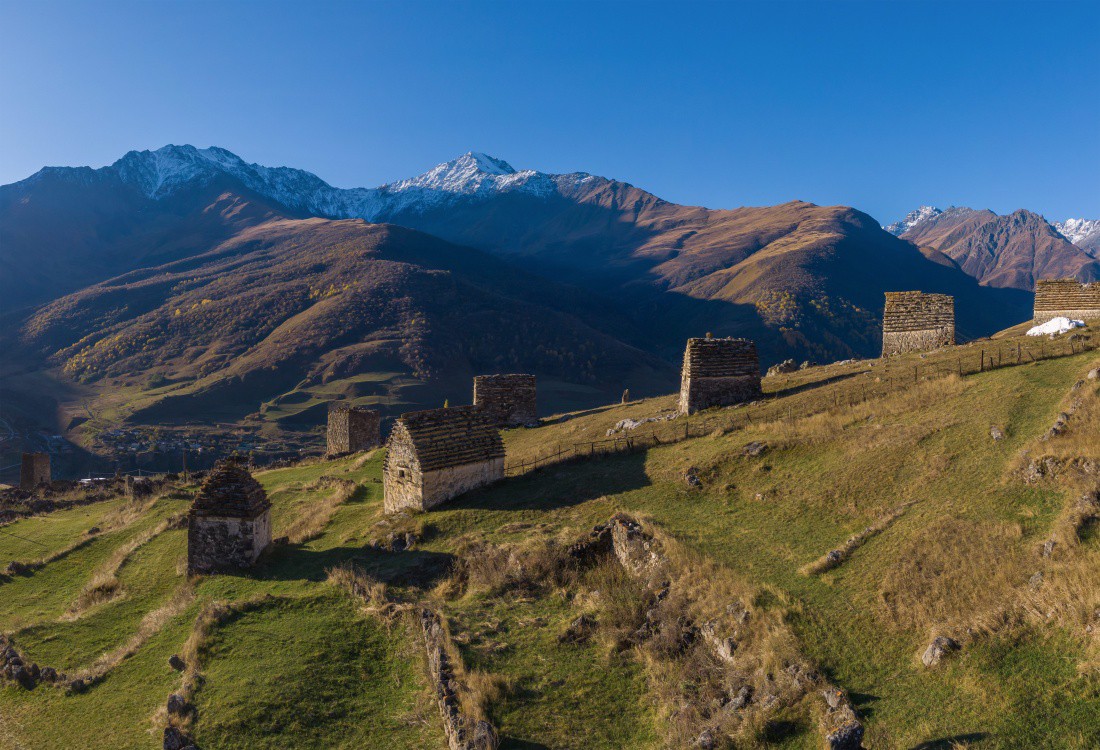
(421, 491)
(1066, 298)
(509, 400)
(224, 544)
(352, 429)
(718, 372)
(916, 322)
(35, 470)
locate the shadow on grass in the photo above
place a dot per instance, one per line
(406, 568)
(562, 485)
(816, 384)
(946, 743)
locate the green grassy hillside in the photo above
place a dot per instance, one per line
(938, 524)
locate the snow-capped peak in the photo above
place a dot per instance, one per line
(1076, 230)
(922, 214)
(472, 176)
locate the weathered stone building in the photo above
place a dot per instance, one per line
(508, 400)
(352, 428)
(435, 455)
(1066, 298)
(917, 322)
(230, 521)
(34, 470)
(718, 372)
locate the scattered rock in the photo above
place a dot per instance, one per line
(1048, 548)
(833, 697)
(77, 686)
(940, 646)
(784, 367)
(177, 706)
(1036, 580)
(705, 740)
(691, 477)
(754, 449)
(49, 674)
(807, 365)
(16, 568)
(996, 434)
(847, 736)
(176, 663)
(739, 611)
(1094, 374)
(579, 630)
(174, 739)
(740, 699)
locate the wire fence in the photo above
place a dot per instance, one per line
(800, 401)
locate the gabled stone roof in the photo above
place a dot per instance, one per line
(230, 491)
(455, 436)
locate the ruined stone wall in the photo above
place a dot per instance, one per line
(509, 400)
(352, 429)
(1066, 298)
(917, 322)
(225, 544)
(718, 372)
(35, 470)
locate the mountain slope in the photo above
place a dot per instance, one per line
(294, 305)
(1001, 251)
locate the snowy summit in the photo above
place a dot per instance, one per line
(921, 215)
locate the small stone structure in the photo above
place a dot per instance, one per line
(352, 428)
(1067, 298)
(917, 322)
(718, 372)
(230, 521)
(508, 400)
(34, 471)
(434, 455)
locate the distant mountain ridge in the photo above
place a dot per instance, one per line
(1085, 233)
(1003, 251)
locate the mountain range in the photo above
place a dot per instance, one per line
(1006, 251)
(185, 284)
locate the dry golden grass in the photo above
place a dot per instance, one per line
(104, 585)
(314, 516)
(150, 625)
(953, 574)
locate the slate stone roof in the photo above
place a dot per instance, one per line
(720, 358)
(1066, 294)
(455, 436)
(230, 491)
(917, 311)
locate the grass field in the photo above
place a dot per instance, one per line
(301, 664)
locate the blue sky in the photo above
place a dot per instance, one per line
(882, 106)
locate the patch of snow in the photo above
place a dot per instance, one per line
(912, 219)
(1055, 326)
(1077, 230)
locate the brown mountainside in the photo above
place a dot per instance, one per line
(1004, 251)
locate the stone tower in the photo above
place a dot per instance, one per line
(229, 524)
(508, 400)
(917, 322)
(35, 470)
(1066, 298)
(718, 372)
(352, 428)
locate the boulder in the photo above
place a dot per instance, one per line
(174, 739)
(176, 663)
(177, 705)
(940, 646)
(996, 434)
(1094, 374)
(784, 367)
(754, 449)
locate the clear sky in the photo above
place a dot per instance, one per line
(883, 106)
